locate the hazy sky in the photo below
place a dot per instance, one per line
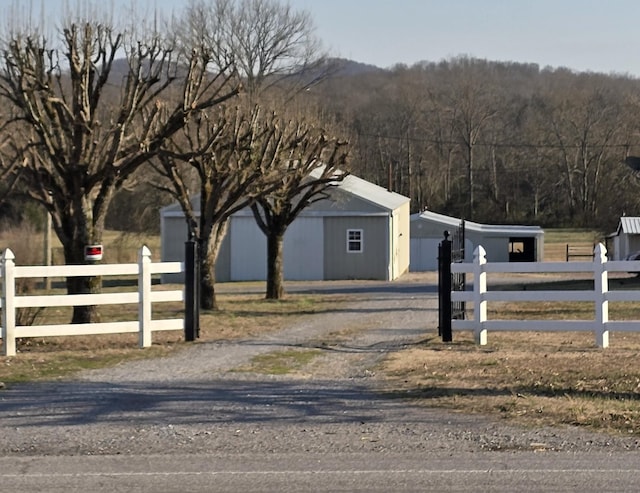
(583, 35)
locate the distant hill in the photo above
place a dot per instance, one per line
(348, 68)
(337, 67)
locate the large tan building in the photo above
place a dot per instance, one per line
(360, 231)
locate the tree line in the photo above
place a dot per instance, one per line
(496, 142)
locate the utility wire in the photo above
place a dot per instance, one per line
(524, 145)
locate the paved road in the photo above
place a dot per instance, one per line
(339, 472)
(192, 423)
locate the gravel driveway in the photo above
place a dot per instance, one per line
(194, 401)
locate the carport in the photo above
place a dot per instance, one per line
(503, 242)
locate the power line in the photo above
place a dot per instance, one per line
(523, 145)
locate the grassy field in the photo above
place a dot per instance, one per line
(528, 377)
(556, 241)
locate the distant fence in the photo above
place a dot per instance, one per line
(579, 252)
(144, 297)
(600, 296)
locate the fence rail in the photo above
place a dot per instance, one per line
(600, 296)
(144, 297)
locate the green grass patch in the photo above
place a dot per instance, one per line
(281, 362)
(28, 367)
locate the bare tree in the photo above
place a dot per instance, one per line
(71, 145)
(311, 163)
(582, 129)
(473, 114)
(267, 41)
(233, 155)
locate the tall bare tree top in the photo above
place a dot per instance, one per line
(266, 40)
(84, 119)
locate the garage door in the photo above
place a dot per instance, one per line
(303, 250)
(248, 250)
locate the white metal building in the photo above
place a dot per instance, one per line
(361, 231)
(626, 239)
(503, 243)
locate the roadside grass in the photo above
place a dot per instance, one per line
(533, 378)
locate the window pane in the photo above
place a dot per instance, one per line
(354, 240)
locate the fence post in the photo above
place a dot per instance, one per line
(444, 289)
(479, 289)
(8, 304)
(144, 297)
(601, 287)
(191, 297)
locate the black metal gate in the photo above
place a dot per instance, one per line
(450, 250)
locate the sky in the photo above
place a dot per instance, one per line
(582, 35)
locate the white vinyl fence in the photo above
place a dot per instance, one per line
(144, 297)
(600, 267)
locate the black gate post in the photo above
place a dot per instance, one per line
(444, 289)
(191, 288)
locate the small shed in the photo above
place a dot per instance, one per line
(503, 243)
(360, 231)
(626, 239)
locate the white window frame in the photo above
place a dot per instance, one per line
(359, 240)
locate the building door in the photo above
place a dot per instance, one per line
(248, 250)
(304, 250)
(424, 254)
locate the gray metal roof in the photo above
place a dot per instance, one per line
(351, 184)
(372, 193)
(367, 191)
(629, 225)
(473, 226)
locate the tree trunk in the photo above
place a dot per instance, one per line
(207, 277)
(208, 252)
(470, 180)
(84, 314)
(275, 281)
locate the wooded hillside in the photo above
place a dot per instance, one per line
(488, 141)
(494, 142)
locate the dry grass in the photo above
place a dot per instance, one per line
(532, 378)
(241, 315)
(556, 241)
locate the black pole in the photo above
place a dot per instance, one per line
(196, 288)
(444, 289)
(191, 298)
(440, 299)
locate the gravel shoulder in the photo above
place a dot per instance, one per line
(196, 401)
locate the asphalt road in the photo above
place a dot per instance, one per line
(340, 472)
(194, 423)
